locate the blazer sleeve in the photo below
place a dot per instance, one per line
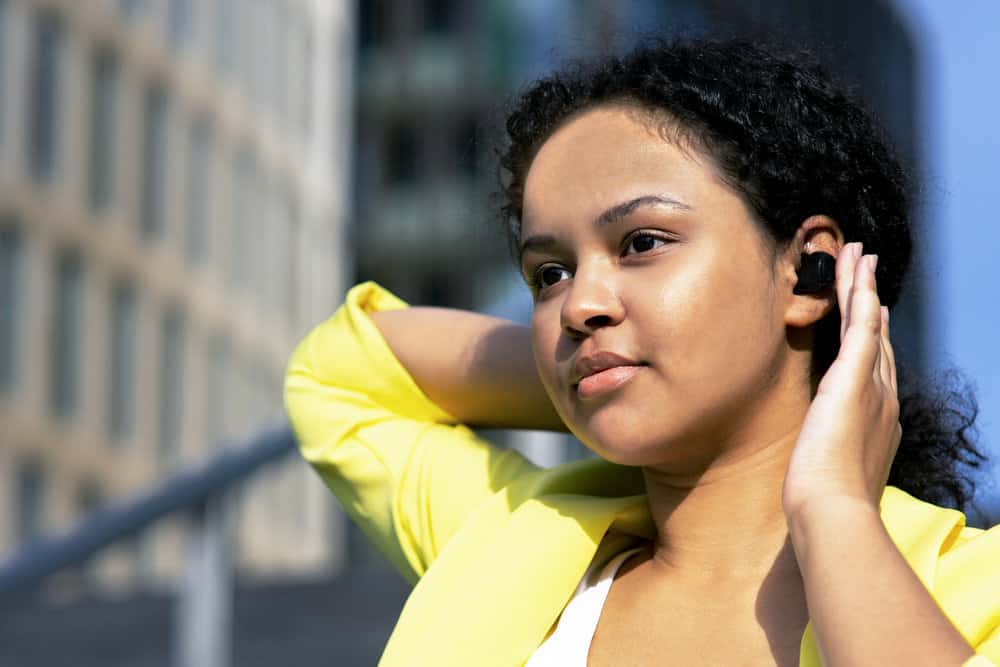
(404, 470)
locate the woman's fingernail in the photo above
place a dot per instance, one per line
(857, 250)
(872, 262)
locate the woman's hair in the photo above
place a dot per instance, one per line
(793, 143)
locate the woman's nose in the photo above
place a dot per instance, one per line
(591, 302)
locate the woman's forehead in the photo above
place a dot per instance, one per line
(603, 158)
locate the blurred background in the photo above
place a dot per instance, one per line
(188, 186)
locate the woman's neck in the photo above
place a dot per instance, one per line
(725, 521)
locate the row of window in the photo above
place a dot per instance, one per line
(262, 223)
(264, 47)
(436, 17)
(253, 389)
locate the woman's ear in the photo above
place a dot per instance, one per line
(817, 233)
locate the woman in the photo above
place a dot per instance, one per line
(677, 214)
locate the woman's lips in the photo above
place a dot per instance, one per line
(605, 381)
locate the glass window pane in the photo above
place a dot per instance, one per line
(154, 147)
(223, 41)
(132, 8)
(179, 22)
(217, 390)
(30, 499)
(121, 406)
(103, 119)
(243, 211)
(89, 497)
(199, 172)
(171, 383)
(291, 283)
(43, 99)
(10, 302)
(306, 67)
(66, 334)
(290, 276)
(4, 39)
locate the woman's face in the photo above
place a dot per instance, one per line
(641, 251)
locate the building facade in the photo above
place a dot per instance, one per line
(172, 195)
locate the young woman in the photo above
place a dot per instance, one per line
(713, 234)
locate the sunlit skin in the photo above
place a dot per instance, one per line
(714, 413)
(763, 484)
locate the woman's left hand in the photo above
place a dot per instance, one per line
(851, 432)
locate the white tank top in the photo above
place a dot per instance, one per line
(569, 643)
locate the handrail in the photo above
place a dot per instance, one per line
(186, 490)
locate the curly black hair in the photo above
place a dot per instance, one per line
(793, 142)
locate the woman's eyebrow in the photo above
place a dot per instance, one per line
(610, 216)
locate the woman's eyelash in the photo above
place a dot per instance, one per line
(534, 279)
(640, 235)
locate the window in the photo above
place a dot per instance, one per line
(224, 39)
(371, 23)
(279, 63)
(154, 158)
(401, 154)
(243, 212)
(198, 173)
(305, 66)
(121, 406)
(43, 98)
(179, 22)
(243, 419)
(67, 329)
(89, 497)
(288, 272)
(11, 272)
(439, 16)
(299, 82)
(276, 254)
(3, 64)
(103, 119)
(30, 499)
(171, 382)
(217, 390)
(131, 8)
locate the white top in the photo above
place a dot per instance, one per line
(569, 643)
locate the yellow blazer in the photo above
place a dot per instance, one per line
(496, 545)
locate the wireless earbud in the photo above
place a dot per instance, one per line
(817, 272)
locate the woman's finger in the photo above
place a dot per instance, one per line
(884, 360)
(887, 352)
(862, 338)
(847, 260)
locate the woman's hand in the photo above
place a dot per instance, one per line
(866, 605)
(851, 431)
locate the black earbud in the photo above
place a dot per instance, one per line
(818, 272)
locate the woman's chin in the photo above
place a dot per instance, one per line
(624, 452)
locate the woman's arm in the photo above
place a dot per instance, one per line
(478, 368)
(402, 468)
(866, 605)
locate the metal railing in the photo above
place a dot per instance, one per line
(203, 608)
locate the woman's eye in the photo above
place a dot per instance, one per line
(644, 243)
(549, 275)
